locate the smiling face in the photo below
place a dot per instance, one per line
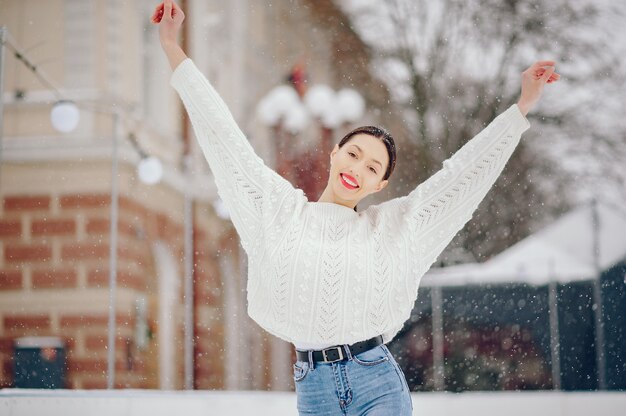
(357, 169)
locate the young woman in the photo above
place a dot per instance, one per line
(337, 283)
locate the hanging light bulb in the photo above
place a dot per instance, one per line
(64, 116)
(220, 209)
(150, 170)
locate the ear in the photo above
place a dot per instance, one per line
(334, 151)
(382, 185)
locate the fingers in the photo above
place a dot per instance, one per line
(543, 71)
(547, 74)
(177, 13)
(173, 10)
(553, 78)
(158, 13)
(167, 6)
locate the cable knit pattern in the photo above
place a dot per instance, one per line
(321, 274)
(379, 308)
(332, 284)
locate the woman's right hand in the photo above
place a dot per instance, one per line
(169, 16)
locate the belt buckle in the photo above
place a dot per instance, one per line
(338, 348)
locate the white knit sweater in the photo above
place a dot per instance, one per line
(319, 273)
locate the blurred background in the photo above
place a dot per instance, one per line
(119, 267)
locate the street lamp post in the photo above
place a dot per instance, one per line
(553, 313)
(113, 254)
(188, 283)
(436, 299)
(597, 297)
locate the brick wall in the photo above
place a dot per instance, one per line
(54, 279)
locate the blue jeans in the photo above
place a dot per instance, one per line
(370, 383)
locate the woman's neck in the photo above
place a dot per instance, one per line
(329, 196)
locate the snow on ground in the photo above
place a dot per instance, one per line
(25, 402)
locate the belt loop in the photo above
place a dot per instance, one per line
(311, 362)
(346, 347)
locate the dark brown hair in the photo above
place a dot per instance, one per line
(384, 136)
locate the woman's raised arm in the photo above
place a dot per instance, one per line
(253, 193)
(436, 210)
(169, 16)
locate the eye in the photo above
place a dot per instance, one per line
(373, 170)
(352, 154)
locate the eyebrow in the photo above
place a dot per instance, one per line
(374, 160)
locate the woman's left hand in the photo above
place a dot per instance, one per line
(533, 81)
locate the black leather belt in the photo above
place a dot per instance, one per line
(337, 352)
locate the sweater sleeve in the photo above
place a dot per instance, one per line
(434, 212)
(252, 192)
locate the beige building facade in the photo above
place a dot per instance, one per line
(56, 188)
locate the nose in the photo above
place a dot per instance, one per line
(354, 174)
(359, 168)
